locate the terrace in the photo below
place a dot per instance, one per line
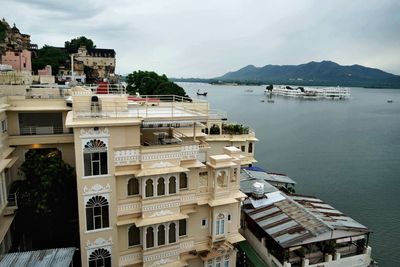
(148, 107)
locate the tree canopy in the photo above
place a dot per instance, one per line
(73, 45)
(47, 199)
(49, 55)
(3, 30)
(150, 83)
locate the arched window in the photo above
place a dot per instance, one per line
(133, 236)
(97, 213)
(221, 179)
(133, 187)
(172, 185)
(172, 233)
(234, 175)
(161, 235)
(183, 181)
(100, 257)
(250, 148)
(149, 188)
(149, 237)
(160, 187)
(95, 158)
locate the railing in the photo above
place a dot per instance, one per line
(12, 200)
(105, 88)
(129, 208)
(217, 114)
(156, 106)
(234, 128)
(128, 156)
(43, 130)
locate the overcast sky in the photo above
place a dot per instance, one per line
(206, 39)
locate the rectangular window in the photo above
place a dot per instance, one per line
(95, 163)
(203, 223)
(220, 227)
(243, 148)
(182, 227)
(3, 126)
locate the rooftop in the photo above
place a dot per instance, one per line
(60, 257)
(249, 175)
(296, 220)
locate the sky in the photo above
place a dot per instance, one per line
(206, 39)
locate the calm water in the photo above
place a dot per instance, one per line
(345, 152)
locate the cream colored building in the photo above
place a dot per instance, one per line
(31, 118)
(151, 190)
(101, 61)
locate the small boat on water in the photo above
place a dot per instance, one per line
(390, 101)
(249, 90)
(203, 94)
(271, 101)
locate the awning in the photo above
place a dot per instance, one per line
(222, 165)
(220, 202)
(175, 264)
(126, 172)
(149, 221)
(239, 194)
(192, 164)
(235, 238)
(127, 221)
(157, 171)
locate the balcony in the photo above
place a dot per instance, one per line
(136, 155)
(43, 130)
(128, 207)
(12, 203)
(49, 134)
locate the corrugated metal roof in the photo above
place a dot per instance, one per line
(273, 178)
(295, 220)
(58, 257)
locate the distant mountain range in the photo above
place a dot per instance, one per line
(314, 73)
(325, 73)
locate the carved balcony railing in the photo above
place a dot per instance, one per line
(135, 155)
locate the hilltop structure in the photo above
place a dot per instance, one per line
(90, 65)
(15, 47)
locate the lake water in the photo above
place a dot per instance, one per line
(346, 153)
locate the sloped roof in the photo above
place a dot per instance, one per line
(296, 220)
(59, 257)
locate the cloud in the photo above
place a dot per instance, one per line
(206, 39)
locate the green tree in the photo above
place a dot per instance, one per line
(150, 83)
(3, 31)
(270, 87)
(47, 200)
(49, 55)
(73, 45)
